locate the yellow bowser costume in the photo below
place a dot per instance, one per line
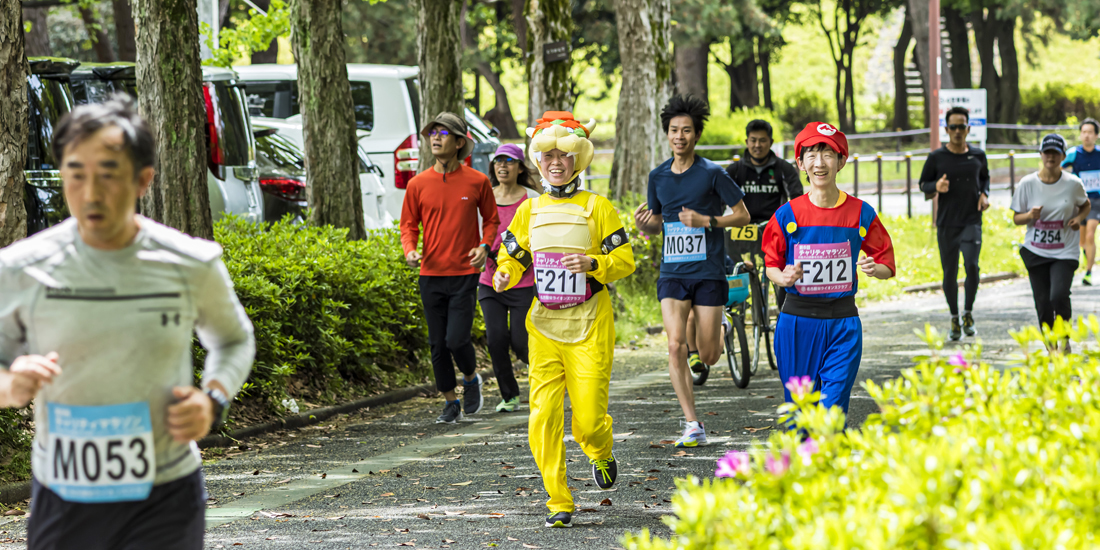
(570, 323)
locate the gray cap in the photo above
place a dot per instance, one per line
(1053, 142)
(456, 125)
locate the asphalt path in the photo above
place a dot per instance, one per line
(391, 478)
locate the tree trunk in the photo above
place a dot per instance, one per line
(635, 121)
(985, 38)
(170, 79)
(901, 93)
(519, 22)
(550, 88)
(271, 54)
(124, 30)
(917, 13)
(744, 87)
(1009, 94)
(501, 113)
(660, 17)
(13, 123)
(332, 164)
(438, 49)
(38, 40)
(692, 61)
(765, 55)
(960, 48)
(100, 42)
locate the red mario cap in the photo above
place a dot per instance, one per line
(821, 132)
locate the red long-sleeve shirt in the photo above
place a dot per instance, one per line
(447, 205)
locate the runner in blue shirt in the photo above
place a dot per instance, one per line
(687, 196)
(1084, 162)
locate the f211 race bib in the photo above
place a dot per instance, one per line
(684, 244)
(100, 454)
(1091, 180)
(825, 268)
(1048, 235)
(555, 284)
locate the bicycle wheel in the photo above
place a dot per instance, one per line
(737, 352)
(769, 326)
(760, 321)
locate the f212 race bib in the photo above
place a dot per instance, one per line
(556, 285)
(1091, 180)
(1048, 235)
(100, 454)
(684, 244)
(825, 268)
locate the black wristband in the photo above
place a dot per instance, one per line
(220, 401)
(595, 264)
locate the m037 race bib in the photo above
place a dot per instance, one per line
(100, 454)
(825, 268)
(684, 244)
(1048, 235)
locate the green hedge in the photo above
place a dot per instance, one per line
(1059, 103)
(331, 316)
(962, 455)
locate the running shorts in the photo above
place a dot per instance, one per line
(700, 292)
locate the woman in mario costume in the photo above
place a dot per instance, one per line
(574, 241)
(811, 248)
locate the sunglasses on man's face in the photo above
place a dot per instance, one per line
(438, 132)
(507, 161)
(955, 127)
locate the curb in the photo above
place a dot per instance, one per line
(15, 492)
(984, 279)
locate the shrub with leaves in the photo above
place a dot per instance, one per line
(329, 314)
(962, 455)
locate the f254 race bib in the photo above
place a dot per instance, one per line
(1048, 235)
(825, 268)
(684, 244)
(100, 454)
(1091, 180)
(556, 285)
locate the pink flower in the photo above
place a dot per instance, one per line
(959, 362)
(778, 466)
(807, 450)
(735, 462)
(800, 386)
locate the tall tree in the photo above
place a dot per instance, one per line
(959, 35)
(124, 30)
(643, 48)
(328, 115)
(841, 27)
(995, 23)
(550, 88)
(438, 47)
(485, 53)
(692, 59)
(170, 79)
(738, 21)
(901, 86)
(101, 44)
(38, 40)
(741, 69)
(13, 123)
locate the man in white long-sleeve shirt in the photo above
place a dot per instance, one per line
(96, 318)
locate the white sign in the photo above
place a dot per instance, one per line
(975, 101)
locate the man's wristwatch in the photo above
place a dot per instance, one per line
(713, 222)
(595, 264)
(221, 407)
(487, 248)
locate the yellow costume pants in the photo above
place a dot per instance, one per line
(584, 370)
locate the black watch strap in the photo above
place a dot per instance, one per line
(595, 264)
(221, 406)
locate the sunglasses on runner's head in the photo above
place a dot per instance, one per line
(507, 161)
(438, 132)
(954, 127)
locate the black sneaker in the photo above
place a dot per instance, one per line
(956, 330)
(452, 412)
(968, 325)
(604, 472)
(560, 519)
(472, 400)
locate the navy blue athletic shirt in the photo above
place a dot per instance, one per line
(707, 189)
(1086, 166)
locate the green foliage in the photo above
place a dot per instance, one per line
(802, 107)
(15, 444)
(249, 35)
(962, 455)
(27, 26)
(729, 128)
(1057, 102)
(328, 313)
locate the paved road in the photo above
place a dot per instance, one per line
(390, 478)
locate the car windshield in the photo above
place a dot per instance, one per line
(364, 105)
(51, 99)
(277, 155)
(231, 119)
(413, 86)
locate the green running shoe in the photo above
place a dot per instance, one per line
(508, 405)
(1087, 279)
(968, 324)
(956, 330)
(695, 363)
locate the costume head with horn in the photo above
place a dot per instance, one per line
(558, 130)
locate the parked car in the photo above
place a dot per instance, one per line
(285, 139)
(232, 180)
(387, 110)
(50, 98)
(282, 169)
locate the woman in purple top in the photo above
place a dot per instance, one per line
(506, 312)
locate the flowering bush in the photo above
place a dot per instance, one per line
(961, 455)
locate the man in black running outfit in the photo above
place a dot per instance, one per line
(959, 173)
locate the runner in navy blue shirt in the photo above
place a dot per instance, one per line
(687, 196)
(1084, 162)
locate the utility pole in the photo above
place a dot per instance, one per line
(934, 72)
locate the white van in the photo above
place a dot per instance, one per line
(387, 111)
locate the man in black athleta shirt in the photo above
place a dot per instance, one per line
(959, 173)
(767, 180)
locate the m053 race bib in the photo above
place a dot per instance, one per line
(1048, 235)
(684, 244)
(825, 268)
(1091, 180)
(100, 454)
(556, 285)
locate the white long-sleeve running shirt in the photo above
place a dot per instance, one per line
(121, 322)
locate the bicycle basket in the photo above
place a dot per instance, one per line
(739, 288)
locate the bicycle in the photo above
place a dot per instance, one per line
(765, 295)
(735, 341)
